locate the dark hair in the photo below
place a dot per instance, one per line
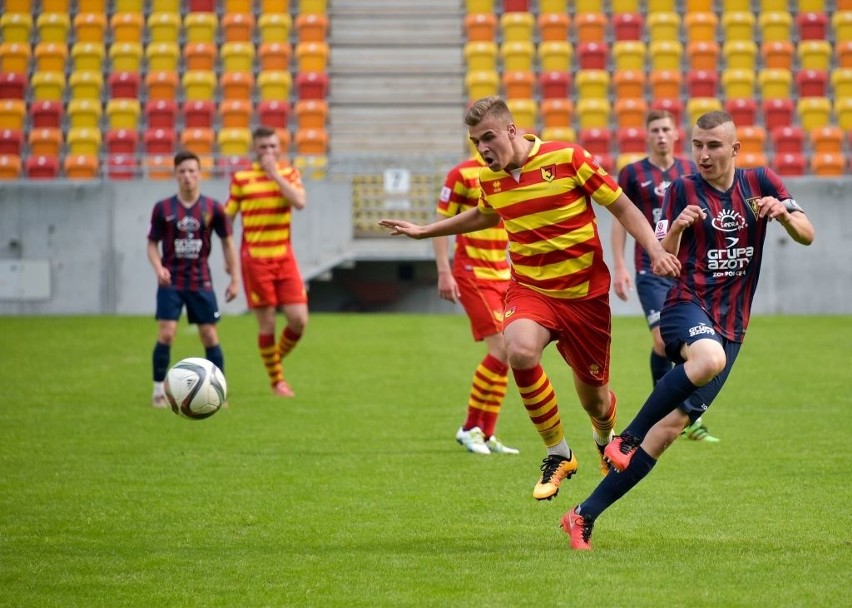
(185, 155)
(711, 120)
(658, 115)
(487, 106)
(263, 131)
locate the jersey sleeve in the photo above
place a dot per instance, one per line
(235, 196)
(773, 185)
(155, 228)
(221, 222)
(593, 179)
(452, 192)
(674, 202)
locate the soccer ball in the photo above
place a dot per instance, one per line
(195, 388)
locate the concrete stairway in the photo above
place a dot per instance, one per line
(397, 78)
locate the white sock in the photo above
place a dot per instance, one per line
(560, 449)
(159, 389)
(602, 440)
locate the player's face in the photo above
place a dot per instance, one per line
(267, 146)
(713, 150)
(662, 136)
(188, 175)
(493, 140)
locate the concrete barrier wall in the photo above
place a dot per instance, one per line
(79, 248)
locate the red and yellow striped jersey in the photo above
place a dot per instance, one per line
(265, 212)
(483, 251)
(554, 245)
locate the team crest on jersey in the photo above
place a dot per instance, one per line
(548, 173)
(752, 204)
(729, 220)
(188, 224)
(595, 370)
(509, 312)
(661, 188)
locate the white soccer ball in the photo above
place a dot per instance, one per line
(195, 388)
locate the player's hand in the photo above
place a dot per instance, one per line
(622, 284)
(448, 289)
(414, 231)
(164, 277)
(269, 164)
(690, 215)
(771, 207)
(231, 291)
(665, 264)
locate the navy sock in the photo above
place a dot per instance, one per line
(615, 485)
(669, 393)
(660, 365)
(162, 354)
(215, 356)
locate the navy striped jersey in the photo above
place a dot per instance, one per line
(185, 234)
(721, 255)
(645, 184)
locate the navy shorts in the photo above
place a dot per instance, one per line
(652, 290)
(686, 323)
(201, 306)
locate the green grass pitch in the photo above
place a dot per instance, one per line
(355, 493)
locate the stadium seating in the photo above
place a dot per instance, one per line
(81, 166)
(13, 113)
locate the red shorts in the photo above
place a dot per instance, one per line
(272, 282)
(483, 302)
(582, 329)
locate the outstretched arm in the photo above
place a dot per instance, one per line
(469, 221)
(662, 263)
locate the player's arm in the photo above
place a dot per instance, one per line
(291, 190)
(621, 281)
(685, 219)
(468, 221)
(628, 215)
(229, 252)
(164, 277)
(790, 216)
(448, 289)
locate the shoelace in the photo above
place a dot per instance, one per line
(628, 443)
(550, 465)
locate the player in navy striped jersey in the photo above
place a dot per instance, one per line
(646, 182)
(716, 222)
(184, 224)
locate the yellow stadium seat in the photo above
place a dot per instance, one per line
(129, 6)
(90, 27)
(701, 26)
(47, 86)
(735, 6)
(566, 134)
(555, 56)
(482, 83)
(629, 55)
(586, 6)
(525, 113)
(663, 26)
(553, 26)
(84, 141)
(842, 111)
(239, 6)
(775, 84)
(125, 56)
(127, 27)
(517, 56)
(199, 85)
(19, 6)
(841, 23)
(15, 57)
(311, 142)
(53, 27)
(274, 85)
(553, 6)
(275, 6)
(313, 6)
(123, 113)
(592, 84)
(166, 6)
(738, 83)
(628, 84)
(740, 54)
(590, 27)
(811, 6)
(814, 54)
(775, 25)
(813, 112)
(662, 6)
(479, 6)
(841, 83)
(593, 112)
(13, 113)
(738, 25)
(480, 55)
(777, 55)
(621, 7)
(201, 27)
(165, 27)
(86, 85)
(235, 113)
(703, 55)
(665, 55)
(163, 56)
(237, 56)
(556, 112)
(88, 56)
(630, 112)
(665, 84)
(200, 56)
(84, 114)
(274, 27)
(517, 26)
(828, 165)
(45, 142)
(696, 106)
(312, 56)
(16, 27)
(81, 166)
(518, 85)
(238, 27)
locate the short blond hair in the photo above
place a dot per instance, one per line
(485, 107)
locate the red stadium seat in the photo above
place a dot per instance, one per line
(159, 142)
(778, 113)
(46, 114)
(13, 85)
(42, 167)
(789, 139)
(592, 55)
(789, 164)
(121, 141)
(199, 114)
(631, 140)
(702, 83)
(275, 114)
(123, 85)
(812, 26)
(11, 142)
(161, 113)
(672, 106)
(312, 85)
(628, 26)
(812, 83)
(554, 85)
(743, 111)
(122, 167)
(595, 140)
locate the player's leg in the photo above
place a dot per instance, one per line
(293, 299)
(259, 282)
(652, 292)
(203, 310)
(169, 307)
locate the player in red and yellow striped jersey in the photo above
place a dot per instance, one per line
(478, 279)
(265, 196)
(560, 284)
